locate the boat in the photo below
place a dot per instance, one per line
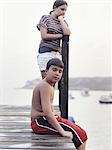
(85, 92)
(71, 96)
(105, 99)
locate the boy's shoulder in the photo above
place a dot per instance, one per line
(41, 84)
(43, 87)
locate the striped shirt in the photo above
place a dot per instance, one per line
(53, 26)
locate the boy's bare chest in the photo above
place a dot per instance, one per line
(52, 96)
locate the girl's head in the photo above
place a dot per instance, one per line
(59, 7)
(58, 3)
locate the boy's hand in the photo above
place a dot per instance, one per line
(68, 134)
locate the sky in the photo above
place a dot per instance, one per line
(89, 45)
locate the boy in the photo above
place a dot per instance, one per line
(43, 119)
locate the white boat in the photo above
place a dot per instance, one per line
(71, 96)
(85, 92)
(105, 99)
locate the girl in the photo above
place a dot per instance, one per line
(52, 27)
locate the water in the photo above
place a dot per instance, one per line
(94, 117)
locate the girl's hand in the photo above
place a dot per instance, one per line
(61, 18)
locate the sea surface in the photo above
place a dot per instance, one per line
(94, 117)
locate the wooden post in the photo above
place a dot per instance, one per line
(63, 84)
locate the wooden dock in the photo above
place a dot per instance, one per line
(15, 132)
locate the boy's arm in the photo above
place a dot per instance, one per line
(45, 94)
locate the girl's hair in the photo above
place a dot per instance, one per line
(58, 3)
(55, 62)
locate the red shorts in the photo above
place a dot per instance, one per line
(42, 126)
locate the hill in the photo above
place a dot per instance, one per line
(92, 83)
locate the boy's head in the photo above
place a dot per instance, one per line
(54, 62)
(54, 70)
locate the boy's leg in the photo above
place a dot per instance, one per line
(82, 146)
(79, 135)
(41, 126)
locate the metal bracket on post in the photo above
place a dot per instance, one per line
(63, 84)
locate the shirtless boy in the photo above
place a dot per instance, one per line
(43, 118)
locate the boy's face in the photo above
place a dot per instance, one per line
(54, 73)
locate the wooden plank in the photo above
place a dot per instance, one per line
(35, 139)
(12, 140)
(19, 111)
(15, 130)
(37, 144)
(19, 108)
(39, 148)
(14, 123)
(14, 127)
(30, 135)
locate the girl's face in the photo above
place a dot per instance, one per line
(61, 10)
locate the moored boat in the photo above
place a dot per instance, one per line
(105, 99)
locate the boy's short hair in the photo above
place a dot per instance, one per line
(55, 62)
